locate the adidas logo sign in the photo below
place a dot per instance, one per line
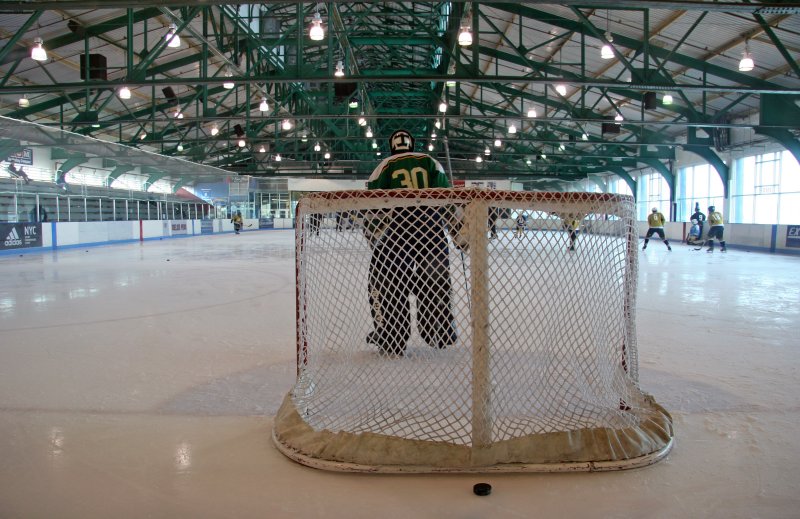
(12, 238)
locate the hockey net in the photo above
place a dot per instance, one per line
(468, 330)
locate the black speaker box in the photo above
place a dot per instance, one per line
(650, 101)
(344, 89)
(96, 67)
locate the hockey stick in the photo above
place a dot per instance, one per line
(450, 175)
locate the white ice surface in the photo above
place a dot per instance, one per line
(140, 381)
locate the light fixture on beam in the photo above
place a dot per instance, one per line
(361, 120)
(465, 37)
(173, 40)
(531, 112)
(37, 51)
(124, 93)
(278, 157)
(262, 149)
(316, 32)
(561, 89)
(287, 124)
(327, 155)
(746, 64)
(487, 151)
(512, 129)
(242, 143)
(374, 144)
(214, 130)
(264, 106)
(667, 99)
(180, 147)
(369, 132)
(339, 69)
(228, 84)
(317, 147)
(497, 143)
(24, 102)
(478, 159)
(443, 107)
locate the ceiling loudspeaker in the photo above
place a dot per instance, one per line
(610, 128)
(239, 130)
(650, 101)
(170, 95)
(344, 89)
(95, 67)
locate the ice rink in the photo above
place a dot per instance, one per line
(140, 380)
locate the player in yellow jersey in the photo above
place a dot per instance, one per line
(716, 230)
(656, 222)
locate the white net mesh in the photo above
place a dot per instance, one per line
(475, 323)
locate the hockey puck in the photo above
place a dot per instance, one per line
(482, 489)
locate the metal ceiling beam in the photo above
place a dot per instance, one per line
(699, 5)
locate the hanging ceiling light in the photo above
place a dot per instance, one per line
(353, 102)
(214, 130)
(287, 124)
(607, 52)
(124, 93)
(561, 89)
(528, 162)
(262, 149)
(497, 143)
(478, 159)
(443, 107)
(433, 134)
(667, 99)
(746, 64)
(37, 51)
(450, 84)
(316, 32)
(143, 135)
(430, 147)
(304, 137)
(278, 157)
(180, 147)
(487, 151)
(339, 69)
(317, 147)
(465, 37)
(361, 120)
(242, 143)
(24, 102)
(327, 155)
(228, 84)
(264, 106)
(619, 117)
(369, 132)
(561, 147)
(378, 153)
(374, 144)
(584, 137)
(173, 40)
(512, 129)
(531, 112)
(437, 124)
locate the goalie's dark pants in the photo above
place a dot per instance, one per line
(406, 263)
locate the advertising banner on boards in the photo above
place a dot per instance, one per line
(20, 235)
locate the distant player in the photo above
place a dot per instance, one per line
(656, 222)
(717, 230)
(520, 225)
(572, 224)
(410, 254)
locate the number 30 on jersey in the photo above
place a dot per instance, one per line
(417, 178)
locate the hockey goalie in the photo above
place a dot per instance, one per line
(410, 254)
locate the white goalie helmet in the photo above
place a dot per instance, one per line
(401, 141)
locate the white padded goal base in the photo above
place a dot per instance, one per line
(586, 450)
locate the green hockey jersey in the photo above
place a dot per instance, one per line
(408, 170)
